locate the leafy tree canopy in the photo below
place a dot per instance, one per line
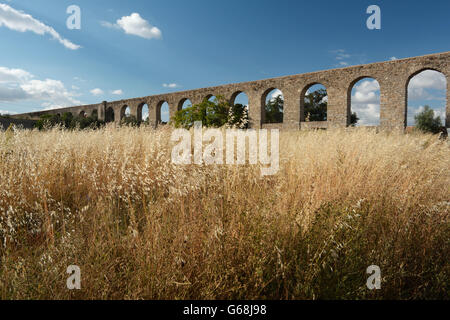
(274, 110)
(427, 122)
(316, 106)
(215, 113)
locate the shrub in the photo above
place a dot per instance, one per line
(427, 122)
(68, 121)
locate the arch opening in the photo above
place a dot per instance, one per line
(143, 113)
(83, 114)
(163, 112)
(125, 112)
(426, 93)
(273, 106)
(239, 97)
(238, 115)
(314, 103)
(364, 102)
(212, 98)
(184, 103)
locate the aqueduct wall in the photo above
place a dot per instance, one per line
(392, 76)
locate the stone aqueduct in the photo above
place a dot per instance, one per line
(392, 76)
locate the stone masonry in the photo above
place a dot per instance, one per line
(392, 76)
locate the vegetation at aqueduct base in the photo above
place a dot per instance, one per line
(139, 227)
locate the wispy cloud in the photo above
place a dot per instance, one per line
(170, 85)
(22, 22)
(117, 92)
(344, 59)
(97, 91)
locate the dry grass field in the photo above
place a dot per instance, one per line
(139, 227)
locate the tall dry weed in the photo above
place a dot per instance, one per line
(139, 227)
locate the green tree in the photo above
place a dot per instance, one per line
(274, 110)
(210, 113)
(427, 122)
(316, 105)
(130, 120)
(238, 117)
(353, 119)
(68, 121)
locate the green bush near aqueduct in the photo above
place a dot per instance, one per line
(68, 121)
(427, 122)
(217, 113)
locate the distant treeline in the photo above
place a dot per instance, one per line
(68, 121)
(6, 121)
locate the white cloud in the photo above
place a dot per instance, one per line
(10, 94)
(276, 93)
(366, 102)
(419, 86)
(413, 111)
(367, 92)
(14, 75)
(20, 85)
(134, 24)
(52, 92)
(368, 114)
(170, 85)
(97, 91)
(393, 58)
(3, 112)
(117, 92)
(22, 22)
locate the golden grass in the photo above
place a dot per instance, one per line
(111, 202)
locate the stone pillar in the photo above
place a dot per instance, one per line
(291, 109)
(101, 111)
(173, 108)
(255, 109)
(447, 104)
(117, 114)
(152, 114)
(338, 108)
(134, 111)
(393, 103)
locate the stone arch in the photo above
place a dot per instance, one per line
(82, 114)
(109, 114)
(265, 98)
(372, 102)
(143, 111)
(303, 111)
(235, 95)
(440, 78)
(125, 111)
(163, 107)
(183, 102)
(239, 102)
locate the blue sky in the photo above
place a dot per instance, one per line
(139, 48)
